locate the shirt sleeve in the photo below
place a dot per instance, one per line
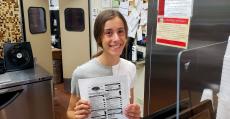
(74, 83)
(132, 74)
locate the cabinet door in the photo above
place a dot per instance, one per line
(30, 101)
(74, 25)
(37, 30)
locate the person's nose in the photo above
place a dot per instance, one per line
(116, 36)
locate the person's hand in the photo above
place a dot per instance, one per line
(132, 111)
(82, 109)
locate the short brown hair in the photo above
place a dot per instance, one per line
(100, 21)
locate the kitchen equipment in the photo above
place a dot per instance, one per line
(26, 94)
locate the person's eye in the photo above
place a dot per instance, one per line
(121, 31)
(108, 33)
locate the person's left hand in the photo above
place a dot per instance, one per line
(132, 111)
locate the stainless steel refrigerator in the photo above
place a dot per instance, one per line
(176, 77)
(26, 94)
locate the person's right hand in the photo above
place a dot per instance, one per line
(82, 109)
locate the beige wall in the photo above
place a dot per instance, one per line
(41, 43)
(75, 45)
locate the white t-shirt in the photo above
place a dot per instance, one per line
(93, 68)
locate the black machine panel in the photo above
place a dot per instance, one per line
(18, 56)
(2, 66)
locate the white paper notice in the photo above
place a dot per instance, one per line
(139, 5)
(144, 17)
(133, 23)
(94, 13)
(145, 6)
(132, 33)
(108, 96)
(139, 34)
(133, 19)
(124, 8)
(106, 3)
(178, 8)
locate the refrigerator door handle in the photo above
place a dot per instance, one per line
(7, 97)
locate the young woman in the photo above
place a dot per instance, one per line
(110, 32)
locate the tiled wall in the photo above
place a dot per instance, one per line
(10, 30)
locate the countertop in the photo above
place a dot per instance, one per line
(22, 77)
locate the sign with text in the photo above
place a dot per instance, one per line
(173, 32)
(173, 22)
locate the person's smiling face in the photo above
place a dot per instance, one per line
(114, 37)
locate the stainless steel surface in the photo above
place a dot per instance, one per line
(210, 24)
(23, 77)
(27, 96)
(31, 101)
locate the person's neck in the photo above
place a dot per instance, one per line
(108, 60)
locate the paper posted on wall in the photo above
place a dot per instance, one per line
(107, 95)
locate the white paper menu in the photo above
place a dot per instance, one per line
(108, 96)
